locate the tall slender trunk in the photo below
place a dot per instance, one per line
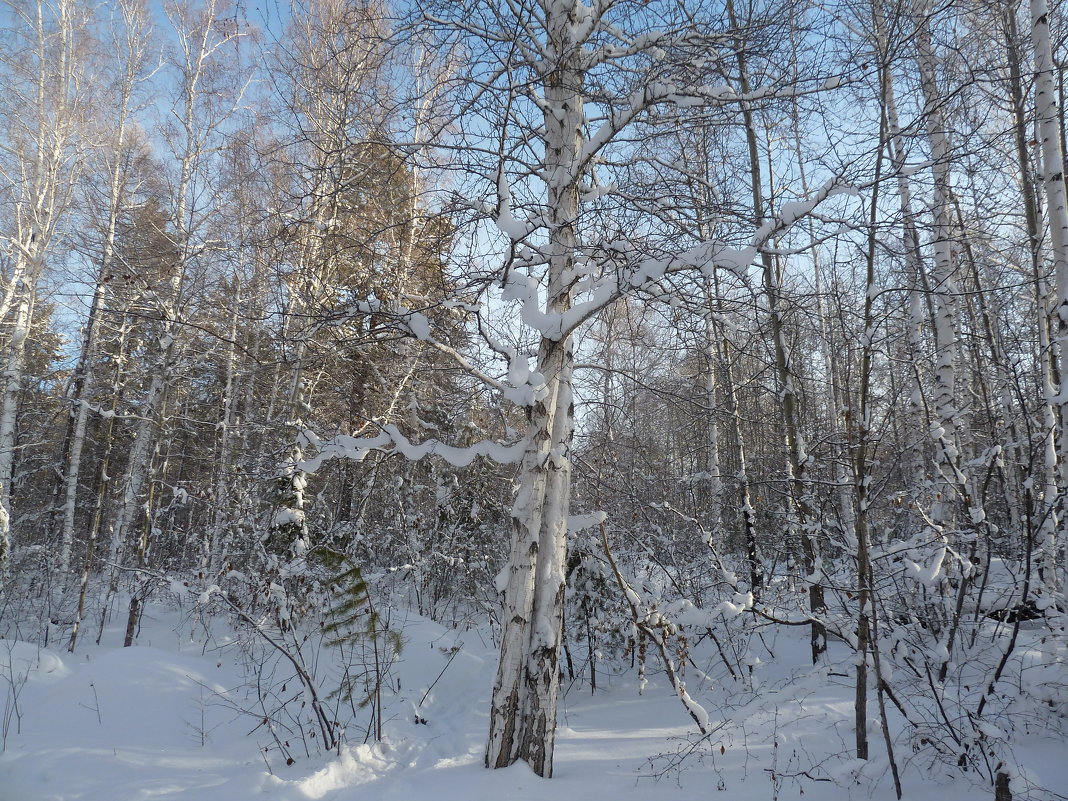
(215, 541)
(735, 434)
(994, 380)
(41, 202)
(917, 405)
(802, 514)
(5, 541)
(82, 389)
(524, 704)
(864, 453)
(1047, 491)
(946, 433)
(198, 44)
(144, 540)
(1049, 119)
(100, 485)
(719, 379)
(138, 465)
(130, 41)
(316, 269)
(14, 367)
(838, 403)
(713, 461)
(837, 395)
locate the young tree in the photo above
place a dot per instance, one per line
(207, 98)
(130, 33)
(1049, 121)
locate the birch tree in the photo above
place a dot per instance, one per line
(333, 62)
(130, 37)
(1048, 112)
(40, 166)
(201, 43)
(559, 86)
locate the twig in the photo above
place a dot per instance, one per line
(435, 681)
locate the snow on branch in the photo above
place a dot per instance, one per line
(391, 440)
(705, 257)
(657, 628)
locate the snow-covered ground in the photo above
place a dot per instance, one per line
(165, 720)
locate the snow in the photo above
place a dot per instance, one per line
(577, 523)
(419, 325)
(391, 439)
(164, 720)
(930, 574)
(22, 661)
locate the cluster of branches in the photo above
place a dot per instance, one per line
(208, 232)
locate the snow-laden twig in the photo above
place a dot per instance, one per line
(648, 622)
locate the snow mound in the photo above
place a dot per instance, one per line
(23, 661)
(357, 765)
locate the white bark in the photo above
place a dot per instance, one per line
(332, 57)
(1049, 115)
(864, 449)
(804, 524)
(44, 179)
(131, 48)
(913, 260)
(101, 482)
(1040, 497)
(712, 466)
(945, 433)
(200, 40)
(748, 511)
(5, 542)
(215, 542)
(953, 483)
(524, 704)
(14, 366)
(137, 467)
(837, 394)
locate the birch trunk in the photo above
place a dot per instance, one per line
(718, 378)
(1047, 495)
(864, 453)
(837, 395)
(137, 468)
(215, 543)
(43, 188)
(914, 263)
(328, 107)
(5, 542)
(82, 390)
(14, 367)
(1049, 117)
(100, 484)
(949, 434)
(748, 512)
(944, 428)
(712, 466)
(524, 704)
(200, 40)
(131, 43)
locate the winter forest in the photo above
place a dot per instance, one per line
(676, 388)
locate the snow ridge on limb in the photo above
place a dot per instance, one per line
(392, 440)
(706, 257)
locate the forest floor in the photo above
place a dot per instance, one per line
(175, 718)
